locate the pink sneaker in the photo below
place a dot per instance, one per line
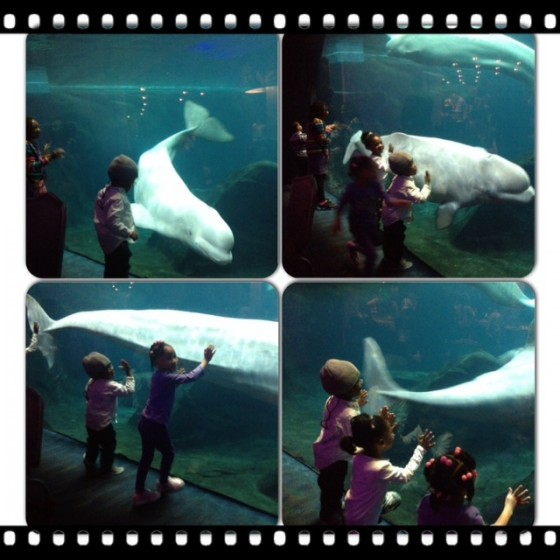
(173, 484)
(145, 497)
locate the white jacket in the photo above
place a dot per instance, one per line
(101, 396)
(403, 188)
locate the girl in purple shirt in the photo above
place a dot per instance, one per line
(155, 418)
(452, 479)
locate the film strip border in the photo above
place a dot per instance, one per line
(539, 21)
(533, 539)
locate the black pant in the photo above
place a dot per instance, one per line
(117, 263)
(321, 180)
(106, 439)
(154, 436)
(368, 239)
(331, 483)
(302, 166)
(393, 242)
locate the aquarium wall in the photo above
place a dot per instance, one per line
(479, 96)
(97, 97)
(431, 337)
(219, 443)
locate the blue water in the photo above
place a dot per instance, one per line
(88, 93)
(368, 89)
(218, 443)
(432, 336)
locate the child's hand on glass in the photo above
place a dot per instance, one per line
(427, 440)
(362, 398)
(125, 366)
(209, 352)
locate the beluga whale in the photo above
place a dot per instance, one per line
(164, 203)
(462, 175)
(502, 396)
(496, 53)
(247, 349)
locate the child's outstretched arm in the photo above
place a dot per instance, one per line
(129, 386)
(518, 497)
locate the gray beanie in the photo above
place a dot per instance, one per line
(122, 170)
(399, 162)
(338, 377)
(96, 365)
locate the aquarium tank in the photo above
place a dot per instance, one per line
(439, 86)
(432, 337)
(99, 96)
(219, 445)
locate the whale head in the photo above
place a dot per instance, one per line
(507, 181)
(212, 238)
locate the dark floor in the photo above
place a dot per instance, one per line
(76, 499)
(326, 256)
(300, 493)
(78, 266)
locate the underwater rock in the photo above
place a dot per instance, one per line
(464, 369)
(249, 204)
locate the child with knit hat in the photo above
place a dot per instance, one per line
(101, 397)
(113, 217)
(397, 208)
(342, 381)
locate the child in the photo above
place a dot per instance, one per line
(318, 151)
(374, 143)
(452, 479)
(101, 396)
(397, 210)
(298, 141)
(155, 418)
(364, 196)
(368, 498)
(342, 381)
(113, 217)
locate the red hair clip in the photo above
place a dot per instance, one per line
(458, 451)
(430, 463)
(446, 461)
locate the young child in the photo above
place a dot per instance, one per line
(113, 217)
(101, 396)
(374, 143)
(342, 381)
(364, 196)
(155, 419)
(298, 141)
(368, 498)
(452, 479)
(397, 210)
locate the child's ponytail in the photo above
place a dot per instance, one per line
(348, 445)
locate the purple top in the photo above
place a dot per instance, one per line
(162, 393)
(448, 514)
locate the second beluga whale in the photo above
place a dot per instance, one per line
(164, 203)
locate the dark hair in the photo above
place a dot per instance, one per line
(451, 478)
(318, 110)
(358, 164)
(29, 126)
(295, 125)
(366, 430)
(365, 135)
(157, 350)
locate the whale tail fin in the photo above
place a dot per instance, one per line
(45, 342)
(355, 145)
(202, 125)
(377, 378)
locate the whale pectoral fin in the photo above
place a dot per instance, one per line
(142, 217)
(445, 214)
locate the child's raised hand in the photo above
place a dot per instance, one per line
(388, 416)
(427, 440)
(362, 398)
(209, 352)
(125, 366)
(518, 497)
(427, 178)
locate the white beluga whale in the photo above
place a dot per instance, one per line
(462, 175)
(494, 53)
(508, 294)
(247, 349)
(505, 395)
(164, 203)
